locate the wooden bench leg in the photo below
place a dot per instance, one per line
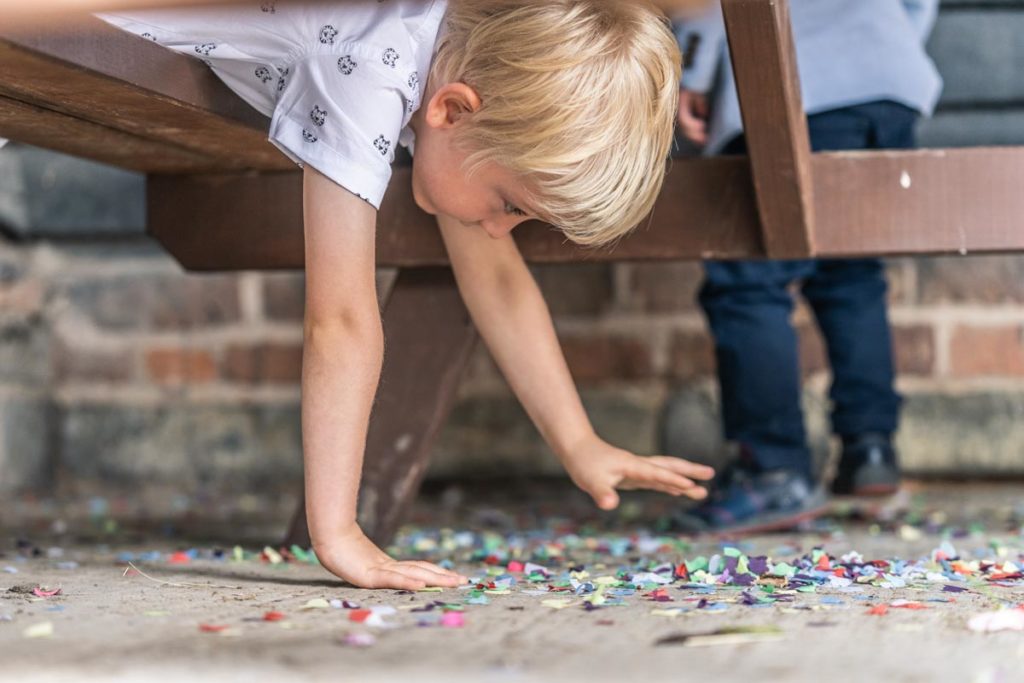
(767, 78)
(428, 341)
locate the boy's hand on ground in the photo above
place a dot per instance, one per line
(693, 116)
(354, 558)
(599, 468)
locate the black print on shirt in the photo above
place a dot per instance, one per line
(149, 36)
(347, 65)
(268, 7)
(206, 48)
(308, 137)
(263, 73)
(281, 81)
(383, 145)
(414, 81)
(327, 34)
(391, 57)
(318, 115)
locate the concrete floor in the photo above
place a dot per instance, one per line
(107, 626)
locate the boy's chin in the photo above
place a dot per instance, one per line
(420, 198)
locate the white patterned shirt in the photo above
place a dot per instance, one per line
(340, 82)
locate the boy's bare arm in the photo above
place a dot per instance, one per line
(513, 319)
(342, 355)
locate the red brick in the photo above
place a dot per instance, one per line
(284, 296)
(901, 274)
(987, 351)
(665, 287)
(603, 358)
(914, 348)
(263, 364)
(180, 366)
(162, 302)
(81, 365)
(975, 279)
(577, 289)
(691, 355)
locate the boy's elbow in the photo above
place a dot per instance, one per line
(348, 327)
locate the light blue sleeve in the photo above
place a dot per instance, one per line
(922, 15)
(703, 42)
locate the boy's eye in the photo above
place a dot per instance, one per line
(512, 209)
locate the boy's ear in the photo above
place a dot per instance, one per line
(450, 103)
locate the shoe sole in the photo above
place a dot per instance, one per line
(781, 523)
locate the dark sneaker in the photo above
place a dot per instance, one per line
(868, 467)
(748, 501)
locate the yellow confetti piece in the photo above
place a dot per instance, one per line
(605, 581)
(273, 555)
(41, 630)
(503, 591)
(557, 603)
(316, 603)
(431, 589)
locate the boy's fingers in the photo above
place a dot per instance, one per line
(428, 578)
(606, 498)
(684, 467)
(440, 571)
(433, 567)
(663, 476)
(389, 578)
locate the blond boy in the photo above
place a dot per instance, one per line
(557, 110)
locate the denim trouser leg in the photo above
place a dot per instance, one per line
(848, 298)
(748, 306)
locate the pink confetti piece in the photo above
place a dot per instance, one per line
(453, 620)
(41, 592)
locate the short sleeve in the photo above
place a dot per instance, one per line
(342, 114)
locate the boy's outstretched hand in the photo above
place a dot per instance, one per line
(599, 468)
(353, 557)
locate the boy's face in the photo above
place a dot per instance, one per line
(492, 198)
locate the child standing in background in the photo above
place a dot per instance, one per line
(866, 80)
(557, 110)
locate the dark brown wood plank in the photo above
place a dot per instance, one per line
(764, 59)
(254, 221)
(920, 202)
(429, 338)
(45, 128)
(89, 70)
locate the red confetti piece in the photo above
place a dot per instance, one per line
(824, 564)
(179, 558)
(682, 572)
(516, 567)
(359, 615)
(274, 616)
(911, 605)
(879, 610)
(213, 628)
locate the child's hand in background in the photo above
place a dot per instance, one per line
(353, 557)
(599, 468)
(693, 116)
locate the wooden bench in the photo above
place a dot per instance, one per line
(220, 197)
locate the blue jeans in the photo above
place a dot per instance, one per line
(748, 305)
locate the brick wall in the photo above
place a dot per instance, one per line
(118, 371)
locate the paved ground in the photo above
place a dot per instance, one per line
(111, 626)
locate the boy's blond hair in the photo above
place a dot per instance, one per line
(579, 99)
